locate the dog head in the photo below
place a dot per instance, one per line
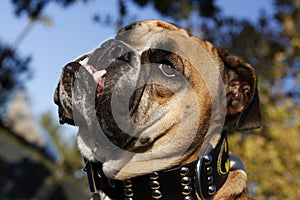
(153, 96)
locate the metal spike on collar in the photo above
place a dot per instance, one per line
(155, 185)
(128, 192)
(186, 183)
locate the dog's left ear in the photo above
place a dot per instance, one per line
(241, 92)
(250, 118)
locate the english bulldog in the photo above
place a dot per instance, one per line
(153, 105)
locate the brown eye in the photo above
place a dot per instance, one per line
(167, 70)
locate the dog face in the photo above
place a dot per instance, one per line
(153, 97)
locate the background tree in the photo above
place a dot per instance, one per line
(71, 160)
(14, 69)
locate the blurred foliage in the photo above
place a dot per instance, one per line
(71, 162)
(271, 43)
(71, 159)
(182, 9)
(14, 69)
(273, 161)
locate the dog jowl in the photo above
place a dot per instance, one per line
(157, 99)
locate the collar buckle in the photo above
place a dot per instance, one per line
(212, 169)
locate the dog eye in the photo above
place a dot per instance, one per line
(167, 70)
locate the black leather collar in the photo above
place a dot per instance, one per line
(212, 169)
(202, 178)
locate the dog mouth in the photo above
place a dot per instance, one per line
(105, 80)
(108, 89)
(98, 75)
(114, 67)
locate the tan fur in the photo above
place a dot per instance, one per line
(236, 184)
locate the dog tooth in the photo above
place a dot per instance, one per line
(85, 64)
(97, 75)
(84, 61)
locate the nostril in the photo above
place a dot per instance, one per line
(145, 141)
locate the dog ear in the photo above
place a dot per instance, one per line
(250, 118)
(242, 98)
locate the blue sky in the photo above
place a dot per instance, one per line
(73, 32)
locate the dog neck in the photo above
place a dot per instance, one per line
(202, 178)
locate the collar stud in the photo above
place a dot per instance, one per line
(154, 185)
(156, 194)
(184, 171)
(186, 181)
(188, 198)
(212, 190)
(154, 176)
(207, 159)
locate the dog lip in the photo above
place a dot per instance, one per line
(100, 86)
(99, 78)
(88, 67)
(98, 75)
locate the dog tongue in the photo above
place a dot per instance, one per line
(97, 75)
(100, 82)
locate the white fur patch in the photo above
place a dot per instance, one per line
(84, 149)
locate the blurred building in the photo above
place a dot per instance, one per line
(29, 161)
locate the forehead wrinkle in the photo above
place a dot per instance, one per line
(168, 45)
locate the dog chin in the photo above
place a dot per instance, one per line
(85, 151)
